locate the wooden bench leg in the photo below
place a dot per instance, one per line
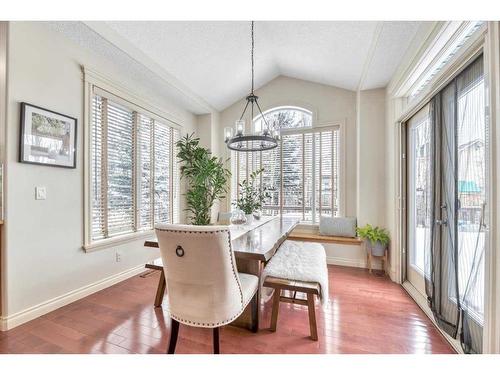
(312, 316)
(276, 307)
(160, 291)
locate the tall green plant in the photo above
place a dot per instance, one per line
(205, 176)
(251, 197)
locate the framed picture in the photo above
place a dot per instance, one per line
(47, 137)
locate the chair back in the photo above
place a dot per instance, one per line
(203, 287)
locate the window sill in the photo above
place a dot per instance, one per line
(114, 241)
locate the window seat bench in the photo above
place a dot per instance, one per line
(313, 235)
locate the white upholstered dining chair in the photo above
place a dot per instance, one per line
(204, 287)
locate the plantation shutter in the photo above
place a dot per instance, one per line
(98, 189)
(326, 190)
(309, 196)
(292, 167)
(162, 144)
(119, 167)
(176, 178)
(301, 175)
(145, 155)
(135, 179)
(271, 180)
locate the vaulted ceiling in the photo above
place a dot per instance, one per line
(212, 58)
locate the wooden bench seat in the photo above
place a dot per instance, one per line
(309, 288)
(312, 235)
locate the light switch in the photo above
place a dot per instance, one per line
(40, 193)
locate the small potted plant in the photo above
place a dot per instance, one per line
(251, 196)
(377, 238)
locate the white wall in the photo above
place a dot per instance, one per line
(43, 239)
(371, 158)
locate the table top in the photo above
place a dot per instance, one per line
(260, 242)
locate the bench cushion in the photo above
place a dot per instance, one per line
(337, 226)
(298, 261)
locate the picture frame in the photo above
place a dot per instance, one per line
(47, 137)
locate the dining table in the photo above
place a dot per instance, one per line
(253, 245)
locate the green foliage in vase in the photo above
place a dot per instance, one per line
(251, 196)
(373, 234)
(206, 178)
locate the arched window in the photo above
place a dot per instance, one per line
(301, 175)
(285, 118)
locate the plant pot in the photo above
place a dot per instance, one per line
(249, 219)
(377, 248)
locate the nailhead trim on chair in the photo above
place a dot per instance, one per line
(218, 324)
(233, 266)
(224, 322)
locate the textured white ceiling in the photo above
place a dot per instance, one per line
(212, 58)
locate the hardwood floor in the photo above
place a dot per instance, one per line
(365, 314)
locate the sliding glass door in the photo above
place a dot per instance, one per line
(420, 194)
(446, 194)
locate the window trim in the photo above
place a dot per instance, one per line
(122, 95)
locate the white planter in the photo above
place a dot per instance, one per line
(249, 219)
(377, 249)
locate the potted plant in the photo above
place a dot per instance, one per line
(251, 196)
(206, 178)
(377, 238)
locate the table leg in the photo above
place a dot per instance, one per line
(250, 317)
(160, 291)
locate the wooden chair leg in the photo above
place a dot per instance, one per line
(370, 261)
(312, 316)
(276, 307)
(174, 332)
(160, 291)
(216, 340)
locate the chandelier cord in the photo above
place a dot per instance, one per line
(252, 57)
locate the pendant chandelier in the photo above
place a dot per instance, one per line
(236, 139)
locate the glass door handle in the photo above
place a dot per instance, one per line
(442, 222)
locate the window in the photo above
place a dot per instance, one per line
(134, 177)
(302, 173)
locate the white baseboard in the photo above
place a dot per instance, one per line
(349, 262)
(14, 320)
